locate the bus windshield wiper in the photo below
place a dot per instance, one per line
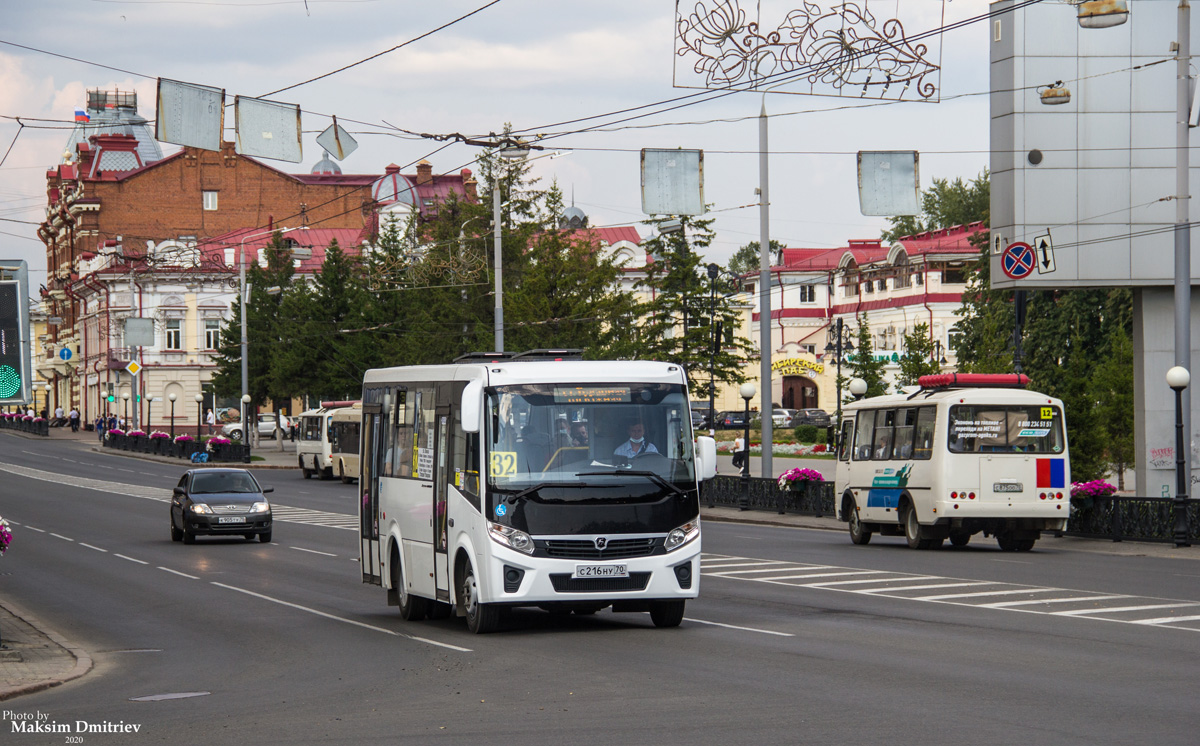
(512, 499)
(656, 478)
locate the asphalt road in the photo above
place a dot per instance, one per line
(797, 637)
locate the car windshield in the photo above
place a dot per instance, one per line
(601, 434)
(228, 481)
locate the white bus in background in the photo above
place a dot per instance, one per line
(966, 453)
(314, 452)
(344, 427)
(492, 483)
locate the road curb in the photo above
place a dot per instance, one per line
(83, 661)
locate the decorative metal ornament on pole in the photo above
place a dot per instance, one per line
(1178, 379)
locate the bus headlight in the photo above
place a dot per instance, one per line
(682, 535)
(510, 537)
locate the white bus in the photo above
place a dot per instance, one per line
(314, 451)
(962, 455)
(494, 483)
(344, 426)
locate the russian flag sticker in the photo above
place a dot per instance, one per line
(1051, 472)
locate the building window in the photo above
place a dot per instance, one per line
(210, 200)
(954, 273)
(174, 334)
(808, 293)
(212, 334)
(808, 349)
(869, 286)
(919, 278)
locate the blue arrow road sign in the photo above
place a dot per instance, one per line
(65, 353)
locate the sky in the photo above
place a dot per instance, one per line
(528, 63)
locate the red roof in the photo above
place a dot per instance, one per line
(318, 239)
(609, 236)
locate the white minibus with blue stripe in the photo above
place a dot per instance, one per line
(964, 454)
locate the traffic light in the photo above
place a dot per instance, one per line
(14, 349)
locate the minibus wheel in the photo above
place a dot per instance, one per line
(914, 532)
(859, 534)
(412, 608)
(667, 613)
(481, 617)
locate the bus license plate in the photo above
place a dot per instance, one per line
(1007, 487)
(231, 519)
(601, 571)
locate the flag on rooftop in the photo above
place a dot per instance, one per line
(82, 116)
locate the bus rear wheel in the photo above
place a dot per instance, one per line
(342, 473)
(667, 613)
(914, 532)
(412, 608)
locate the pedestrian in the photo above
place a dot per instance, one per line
(73, 415)
(740, 453)
(211, 419)
(112, 422)
(101, 426)
(58, 417)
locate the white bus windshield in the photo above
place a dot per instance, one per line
(587, 434)
(1005, 428)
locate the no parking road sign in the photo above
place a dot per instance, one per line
(1018, 260)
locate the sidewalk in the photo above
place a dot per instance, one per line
(33, 658)
(268, 450)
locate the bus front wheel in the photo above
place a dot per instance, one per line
(412, 608)
(859, 534)
(667, 613)
(481, 617)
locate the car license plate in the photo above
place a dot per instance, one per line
(601, 571)
(231, 519)
(1007, 487)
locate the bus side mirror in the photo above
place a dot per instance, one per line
(472, 400)
(706, 458)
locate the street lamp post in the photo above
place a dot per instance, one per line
(149, 411)
(125, 396)
(172, 398)
(1178, 379)
(839, 346)
(748, 390)
(199, 416)
(731, 285)
(510, 154)
(246, 428)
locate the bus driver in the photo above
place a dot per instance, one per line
(637, 444)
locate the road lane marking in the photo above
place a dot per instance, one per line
(60, 536)
(734, 626)
(1036, 601)
(312, 551)
(89, 546)
(176, 572)
(355, 622)
(40, 531)
(131, 559)
(1147, 607)
(733, 573)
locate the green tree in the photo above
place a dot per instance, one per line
(863, 363)
(918, 358)
(1111, 388)
(945, 204)
(747, 260)
(675, 324)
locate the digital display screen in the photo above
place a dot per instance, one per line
(591, 395)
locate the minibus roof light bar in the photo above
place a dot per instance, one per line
(974, 380)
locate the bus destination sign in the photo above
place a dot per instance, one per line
(591, 395)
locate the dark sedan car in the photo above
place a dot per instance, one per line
(731, 419)
(818, 417)
(220, 502)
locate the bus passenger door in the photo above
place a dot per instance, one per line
(368, 493)
(441, 482)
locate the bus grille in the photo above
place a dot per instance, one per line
(616, 549)
(564, 583)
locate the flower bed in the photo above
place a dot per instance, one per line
(799, 478)
(1094, 488)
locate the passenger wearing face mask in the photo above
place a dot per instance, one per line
(636, 445)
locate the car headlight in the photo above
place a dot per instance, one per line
(262, 507)
(201, 508)
(682, 535)
(510, 537)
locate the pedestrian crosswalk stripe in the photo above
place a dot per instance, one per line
(1045, 600)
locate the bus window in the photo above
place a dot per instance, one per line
(906, 420)
(845, 440)
(885, 420)
(862, 435)
(923, 434)
(994, 428)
